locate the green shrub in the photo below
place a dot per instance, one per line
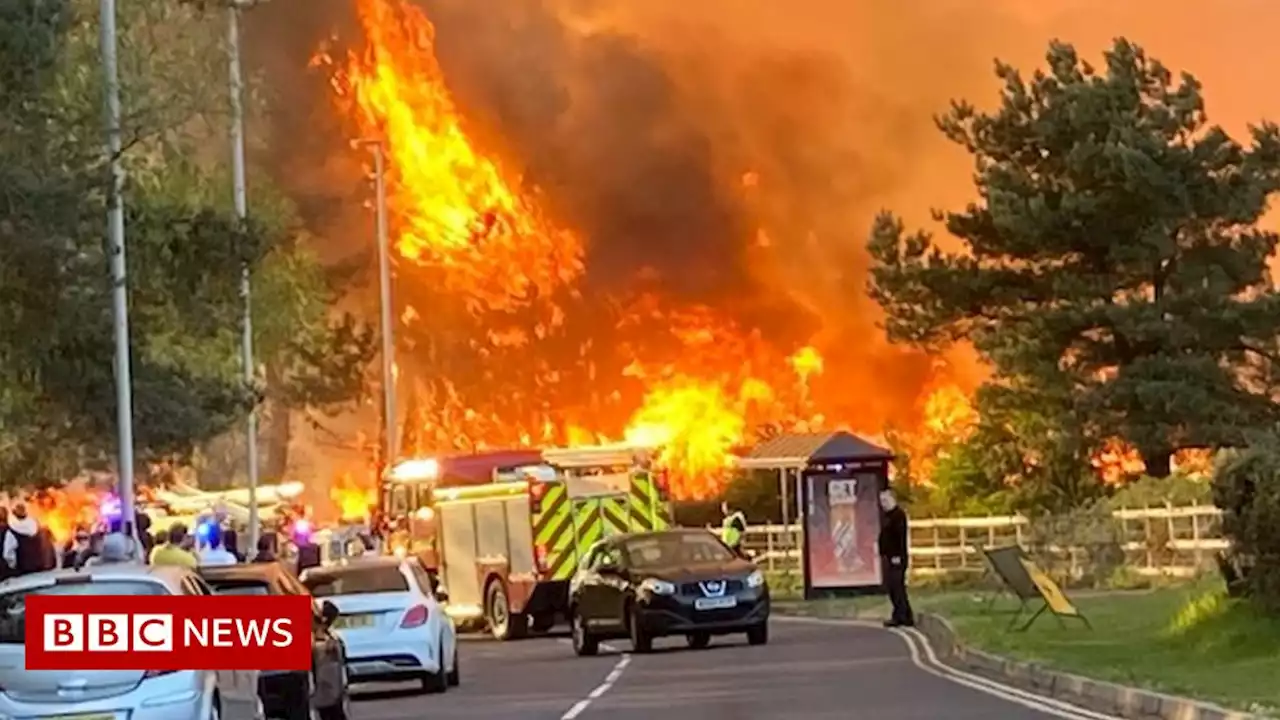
(1178, 489)
(1247, 488)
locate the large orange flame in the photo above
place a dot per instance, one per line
(455, 209)
(63, 510)
(695, 426)
(463, 216)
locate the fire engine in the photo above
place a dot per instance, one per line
(506, 546)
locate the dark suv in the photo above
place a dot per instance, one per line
(292, 695)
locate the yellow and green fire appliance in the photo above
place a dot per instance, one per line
(598, 492)
(506, 549)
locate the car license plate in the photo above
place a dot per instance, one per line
(89, 716)
(351, 622)
(719, 603)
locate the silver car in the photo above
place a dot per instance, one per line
(113, 694)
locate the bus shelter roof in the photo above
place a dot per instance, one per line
(799, 450)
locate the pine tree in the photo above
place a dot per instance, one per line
(1113, 264)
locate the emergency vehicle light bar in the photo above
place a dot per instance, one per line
(597, 456)
(418, 470)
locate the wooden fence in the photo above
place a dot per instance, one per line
(1169, 540)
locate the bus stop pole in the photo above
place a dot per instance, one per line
(786, 515)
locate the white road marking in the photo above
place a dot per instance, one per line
(931, 664)
(603, 646)
(604, 687)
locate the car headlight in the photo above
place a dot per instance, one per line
(658, 587)
(755, 579)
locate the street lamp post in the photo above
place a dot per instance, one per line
(384, 286)
(242, 212)
(119, 289)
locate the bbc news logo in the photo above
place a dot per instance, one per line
(112, 632)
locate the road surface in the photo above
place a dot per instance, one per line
(808, 670)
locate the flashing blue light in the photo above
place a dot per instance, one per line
(110, 508)
(206, 530)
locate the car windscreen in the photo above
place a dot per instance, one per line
(357, 581)
(13, 604)
(239, 587)
(675, 549)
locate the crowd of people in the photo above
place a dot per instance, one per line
(27, 547)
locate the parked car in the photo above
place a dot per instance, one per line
(390, 617)
(292, 695)
(109, 694)
(686, 582)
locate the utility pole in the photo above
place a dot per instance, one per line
(242, 213)
(119, 288)
(389, 449)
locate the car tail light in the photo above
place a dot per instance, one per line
(415, 617)
(540, 557)
(156, 673)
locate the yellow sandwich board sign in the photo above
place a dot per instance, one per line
(1029, 583)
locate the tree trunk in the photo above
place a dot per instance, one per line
(1159, 462)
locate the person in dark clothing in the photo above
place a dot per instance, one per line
(266, 549)
(28, 547)
(894, 559)
(231, 541)
(6, 570)
(77, 549)
(145, 538)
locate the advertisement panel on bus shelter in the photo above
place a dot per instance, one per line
(842, 531)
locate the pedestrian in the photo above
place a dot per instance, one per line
(231, 541)
(6, 570)
(159, 539)
(266, 549)
(214, 553)
(145, 537)
(895, 560)
(28, 548)
(175, 552)
(117, 548)
(732, 527)
(77, 550)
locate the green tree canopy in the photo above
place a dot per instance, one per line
(1112, 271)
(185, 249)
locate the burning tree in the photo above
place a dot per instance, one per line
(1113, 273)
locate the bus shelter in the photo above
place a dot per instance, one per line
(835, 480)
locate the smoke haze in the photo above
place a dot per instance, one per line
(731, 152)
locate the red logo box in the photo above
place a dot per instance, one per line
(113, 632)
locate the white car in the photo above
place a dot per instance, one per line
(108, 695)
(391, 620)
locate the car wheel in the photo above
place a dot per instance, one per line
(437, 682)
(641, 641)
(584, 643)
(504, 624)
(341, 711)
(698, 640)
(758, 635)
(455, 671)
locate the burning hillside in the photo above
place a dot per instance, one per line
(661, 309)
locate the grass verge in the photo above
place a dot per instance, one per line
(1189, 640)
